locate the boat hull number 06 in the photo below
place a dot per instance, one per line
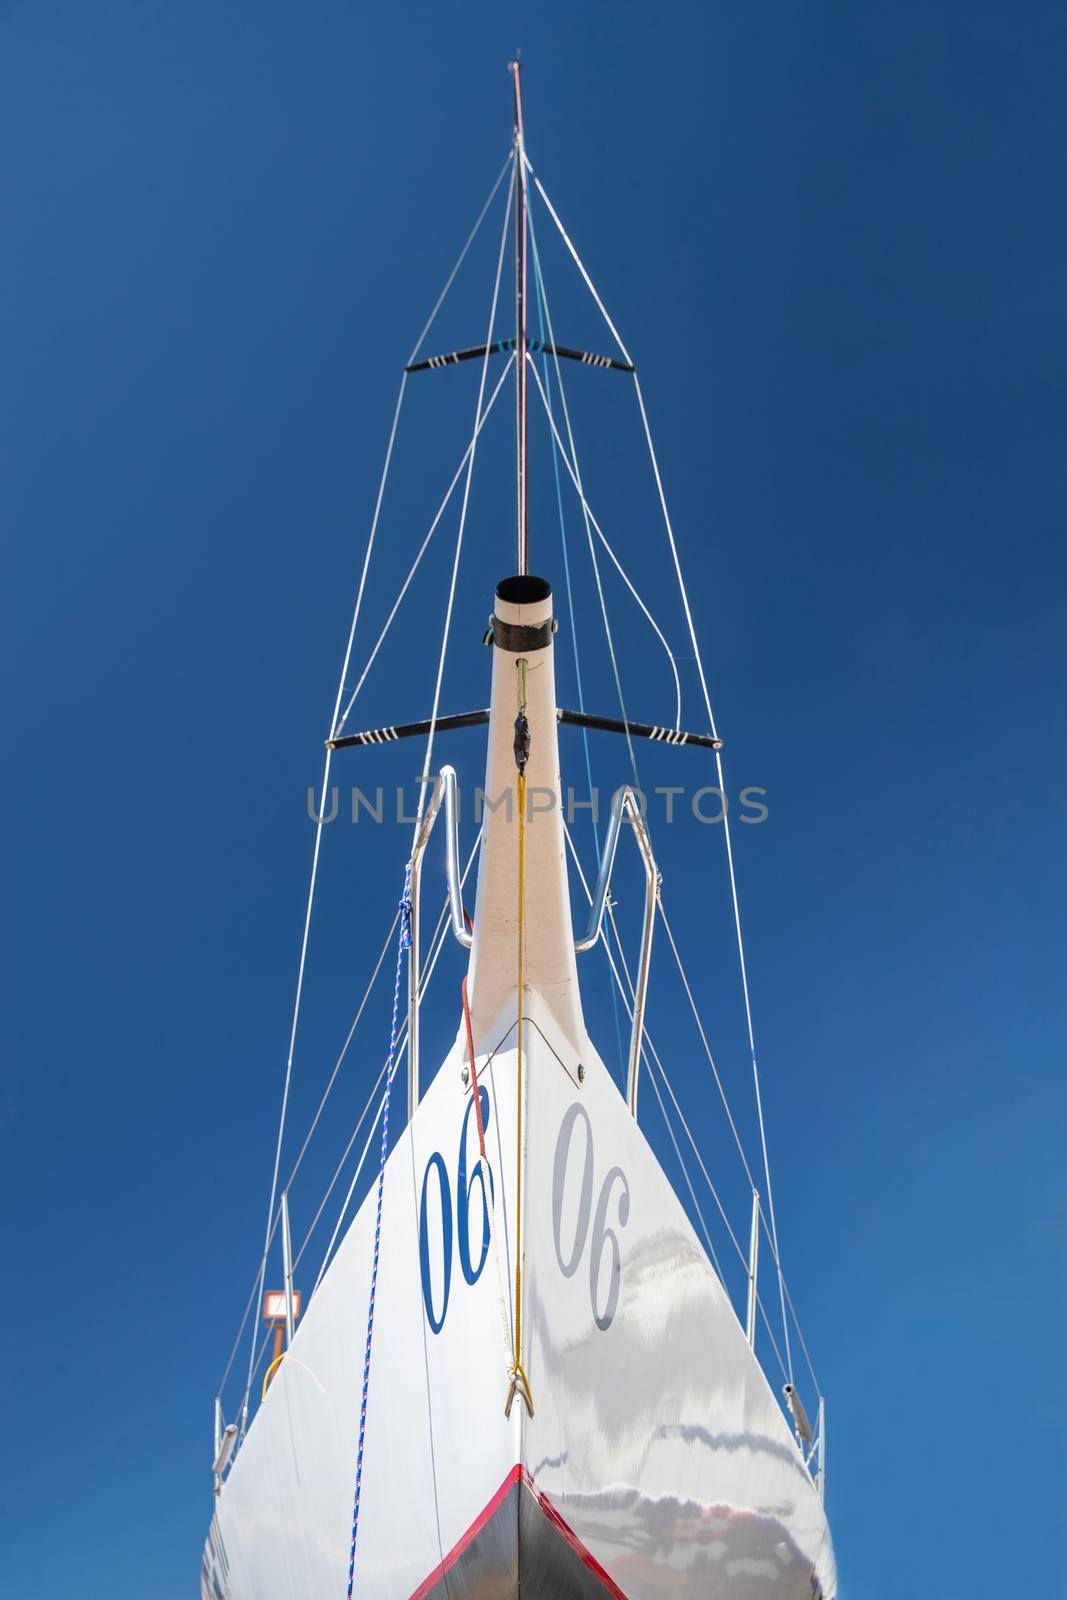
(590, 1226)
(602, 1240)
(471, 1262)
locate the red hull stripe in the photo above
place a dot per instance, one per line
(519, 1474)
(567, 1532)
(472, 1532)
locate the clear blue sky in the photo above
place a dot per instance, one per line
(834, 237)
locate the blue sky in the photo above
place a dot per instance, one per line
(833, 237)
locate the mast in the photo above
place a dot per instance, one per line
(520, 327)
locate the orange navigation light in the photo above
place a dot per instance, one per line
(274, 1305)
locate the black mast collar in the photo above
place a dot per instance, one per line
(518, 637)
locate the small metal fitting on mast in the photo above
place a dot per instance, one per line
(522, 726)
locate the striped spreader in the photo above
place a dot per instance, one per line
(506, 346)
(574, 719)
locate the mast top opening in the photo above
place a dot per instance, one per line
(523, 590)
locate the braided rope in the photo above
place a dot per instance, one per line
(403, 944)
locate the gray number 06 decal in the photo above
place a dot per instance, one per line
(604, 1238)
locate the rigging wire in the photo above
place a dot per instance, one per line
(728, 841)
(437, 943)
(307, 1141)
(450, 280)
(437, 940)
(646, 1041)
(299, 992)
(803, 1341)
(316, 853)
(733, 1129)
(462, 518)
(741, 1254)
(620, 569)
(244, 1322)
(343, 1053)
(539, 278)
(685, 1171)
(567, 577)
(359, 1167)
(718, 757)
(578, 263)
(422, 549)
(704, 1041)
(650, 1052)
(547, 397)
(326, 768)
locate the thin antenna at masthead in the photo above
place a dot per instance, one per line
(520, 323)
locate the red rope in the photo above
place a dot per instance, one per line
(474, 1069)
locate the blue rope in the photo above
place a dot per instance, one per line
(403, 944)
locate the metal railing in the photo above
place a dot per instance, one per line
(626, 806)
(444, 787)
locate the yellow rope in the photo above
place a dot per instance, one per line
(521, 786)
(268, 1375)
(519, 1381)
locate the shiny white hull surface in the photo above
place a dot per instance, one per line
(657, 1462)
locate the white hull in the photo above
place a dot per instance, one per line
(657, 1462)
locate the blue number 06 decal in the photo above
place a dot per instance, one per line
(436, 1165)
(436, 1171)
